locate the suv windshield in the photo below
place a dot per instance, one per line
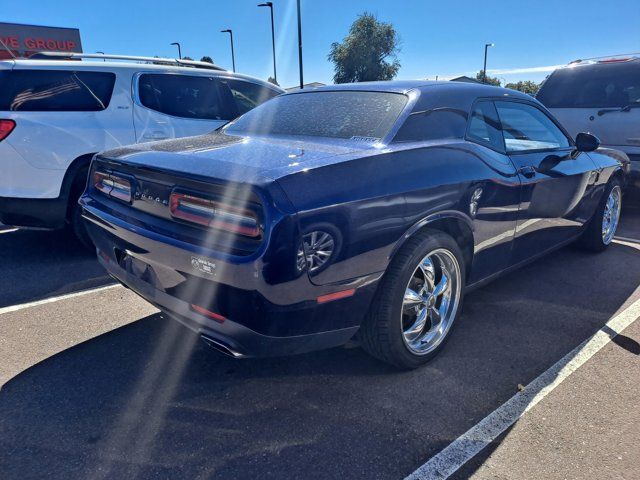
(333, 114)
(604, 85)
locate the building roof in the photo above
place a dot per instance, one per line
(306, 85)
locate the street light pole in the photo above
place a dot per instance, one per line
(177, 44)
(300, 46)
(273, 38)
(233, 55)
(484, 70)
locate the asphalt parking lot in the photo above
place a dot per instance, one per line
(100, 385)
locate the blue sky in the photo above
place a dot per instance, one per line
(442, 38)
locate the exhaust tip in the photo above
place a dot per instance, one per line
(221, 347)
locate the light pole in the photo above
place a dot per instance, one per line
(179, 49)
(233, 55)
(300, 46)
(273, 38)
(104, 59)
(484, 70)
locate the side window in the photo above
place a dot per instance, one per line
(246, 95)
(55, 90)
(183, 96)
(527, 128)
(484, 126)
(432, 125)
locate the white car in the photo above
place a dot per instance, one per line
(55, 115)
(600, 96)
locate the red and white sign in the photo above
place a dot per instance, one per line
(25, 40)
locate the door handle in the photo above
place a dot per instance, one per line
(527, 171)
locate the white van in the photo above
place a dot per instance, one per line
(55, 115)
(600, 96)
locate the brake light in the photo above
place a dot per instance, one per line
(6, 127)
(112, 185)
(211, 213)
(615, 60)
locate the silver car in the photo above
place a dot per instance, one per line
(601, 97)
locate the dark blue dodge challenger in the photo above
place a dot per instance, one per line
(363, 210)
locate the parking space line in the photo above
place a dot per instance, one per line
(469, 444)
(21, 306)
(627, 239)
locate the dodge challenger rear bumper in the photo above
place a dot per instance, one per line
(233, 307)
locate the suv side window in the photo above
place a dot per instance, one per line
(484, 126)
(247, 95)
(526, 127)
(185, 96)
(55, 90)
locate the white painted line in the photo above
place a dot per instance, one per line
(627, 239)
(21, 306)
(469, 444)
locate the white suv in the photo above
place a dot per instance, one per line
(600, 96)
(55, 115)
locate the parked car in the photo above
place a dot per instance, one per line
(600, 96)
(55, 115)
(364, 209)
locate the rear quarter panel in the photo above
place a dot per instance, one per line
(374, 202)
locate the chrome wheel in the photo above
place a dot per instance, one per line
(611, 215)
(316, 250)
(431, 301)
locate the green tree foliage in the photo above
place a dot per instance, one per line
(495, 81)
(187, 58)
(368, 52)
(207, 59)
(526, 86)
(273, 80)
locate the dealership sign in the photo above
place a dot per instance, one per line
(25, 40)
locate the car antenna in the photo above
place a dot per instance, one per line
(7, 49)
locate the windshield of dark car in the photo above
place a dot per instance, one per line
(607, 85)
(333, 114)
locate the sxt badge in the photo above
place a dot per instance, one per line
(203, 265)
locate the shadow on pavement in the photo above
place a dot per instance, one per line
(40, 264)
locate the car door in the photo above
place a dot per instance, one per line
(557, 181)
(173, 105)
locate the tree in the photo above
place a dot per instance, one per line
(368, 52)
(207, 59)
(187, 58)
(526, 86)
(273, 80)
(495, 81)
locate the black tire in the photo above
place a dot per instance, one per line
(381, 333)
(592, 238)
(74, 215)
(78, 227)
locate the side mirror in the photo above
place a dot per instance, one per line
(587, 142)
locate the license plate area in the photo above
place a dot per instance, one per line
(136, 267)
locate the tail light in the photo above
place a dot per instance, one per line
(214, 214)
(6, 127)
(112, 185)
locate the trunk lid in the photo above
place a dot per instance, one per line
(254, 160)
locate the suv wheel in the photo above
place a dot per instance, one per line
(417, 302)
(76, 222)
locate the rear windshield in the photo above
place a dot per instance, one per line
(55, 90)
(593, 86)
(365, 116)
(200, 97)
